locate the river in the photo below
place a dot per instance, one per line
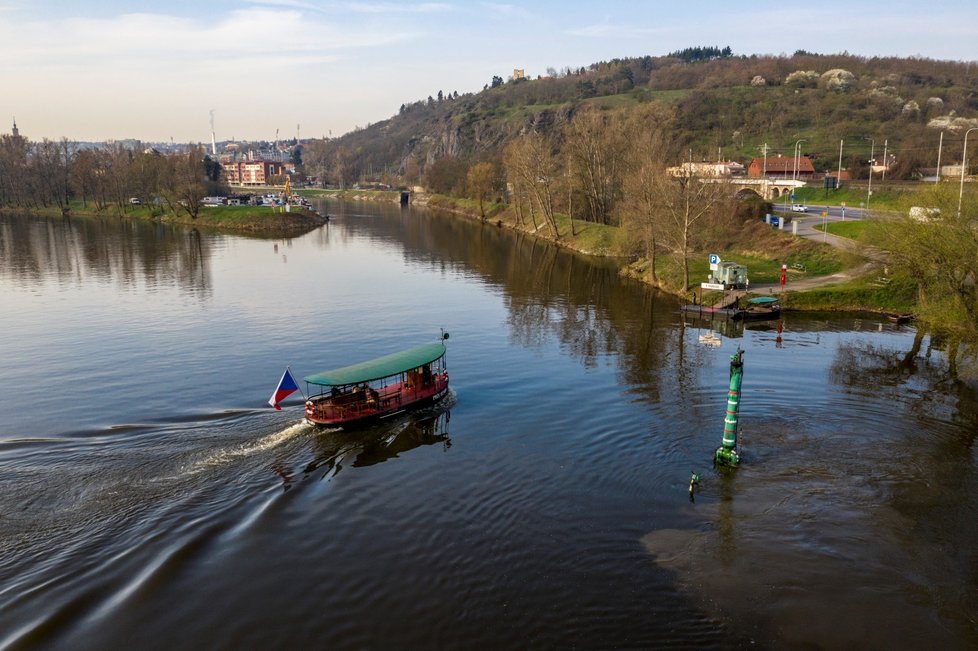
(150, 498)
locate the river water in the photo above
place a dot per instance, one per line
(149, 498)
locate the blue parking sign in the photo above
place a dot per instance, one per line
(714, 258)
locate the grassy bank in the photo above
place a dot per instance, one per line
(869, 294)
(254, 220)
(756, 245)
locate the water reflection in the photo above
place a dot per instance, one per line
(72, 251)
(549, 292)
(360, 448)
(847, 522)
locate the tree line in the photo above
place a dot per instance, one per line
(49, 173)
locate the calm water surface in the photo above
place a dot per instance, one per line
(149, 498)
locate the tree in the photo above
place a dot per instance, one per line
(686, 204)
(937, 250)
(480, 184)
(412, 171)
(533, 168)
(317, 156)
(497, 81)
(186, 182)
(649, 149)
(344, 166)
(595, 142)
(446, 175)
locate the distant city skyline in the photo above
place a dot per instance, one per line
(152, 71)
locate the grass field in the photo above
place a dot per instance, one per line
(853, 198)
(853, 229)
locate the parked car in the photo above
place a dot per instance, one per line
(799, 207)
(135, 201)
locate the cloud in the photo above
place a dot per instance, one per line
(609, 30)
(160, 38)
(396, 8)
(339, 8)
(506, 10)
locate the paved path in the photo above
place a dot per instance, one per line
(806, 229)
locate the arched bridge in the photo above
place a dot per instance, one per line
(767, 189)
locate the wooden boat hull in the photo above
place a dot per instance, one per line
(734, 314)
(761, 313)
(351, 410)
(707, 312)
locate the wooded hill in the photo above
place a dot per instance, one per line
(723, 106)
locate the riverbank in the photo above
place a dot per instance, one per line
(826, 278)
(259, 221)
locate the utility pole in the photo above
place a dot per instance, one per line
(764, 169)
(885, 165)
(838, 179)
(940, 145)
(872, 161)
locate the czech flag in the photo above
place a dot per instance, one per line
(286, 387)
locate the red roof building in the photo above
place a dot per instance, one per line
(251, 172)
(781, 167)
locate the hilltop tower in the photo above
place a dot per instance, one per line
(14, 132)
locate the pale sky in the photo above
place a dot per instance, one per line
(153, 70)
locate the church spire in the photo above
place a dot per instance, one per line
(15, 133)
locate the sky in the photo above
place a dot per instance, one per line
(154, 71)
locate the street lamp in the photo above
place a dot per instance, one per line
(872, 161)
(964, 164)
(794, 171)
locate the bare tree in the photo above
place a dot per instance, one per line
(687, 204)
(531, 161)
(185, 182)
(649, 149)
(479, 180)
(595, 142)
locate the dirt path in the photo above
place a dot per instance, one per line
(876, 259)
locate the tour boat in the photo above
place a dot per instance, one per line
(378, 388)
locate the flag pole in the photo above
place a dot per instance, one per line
(304, 398)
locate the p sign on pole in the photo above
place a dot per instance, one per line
(714, 262)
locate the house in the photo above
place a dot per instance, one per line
(781, 167)
(252, 172)
(719, 169)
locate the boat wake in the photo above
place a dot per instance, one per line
(226, 455)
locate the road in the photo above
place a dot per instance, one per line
(806, 228)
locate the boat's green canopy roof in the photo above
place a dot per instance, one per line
(379, 368)
(762, 300)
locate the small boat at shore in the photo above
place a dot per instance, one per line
(379, 388)
(758, 308)
(710, 312)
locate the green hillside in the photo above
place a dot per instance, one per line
(728, 106)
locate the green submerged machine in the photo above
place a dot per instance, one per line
(726, 454)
